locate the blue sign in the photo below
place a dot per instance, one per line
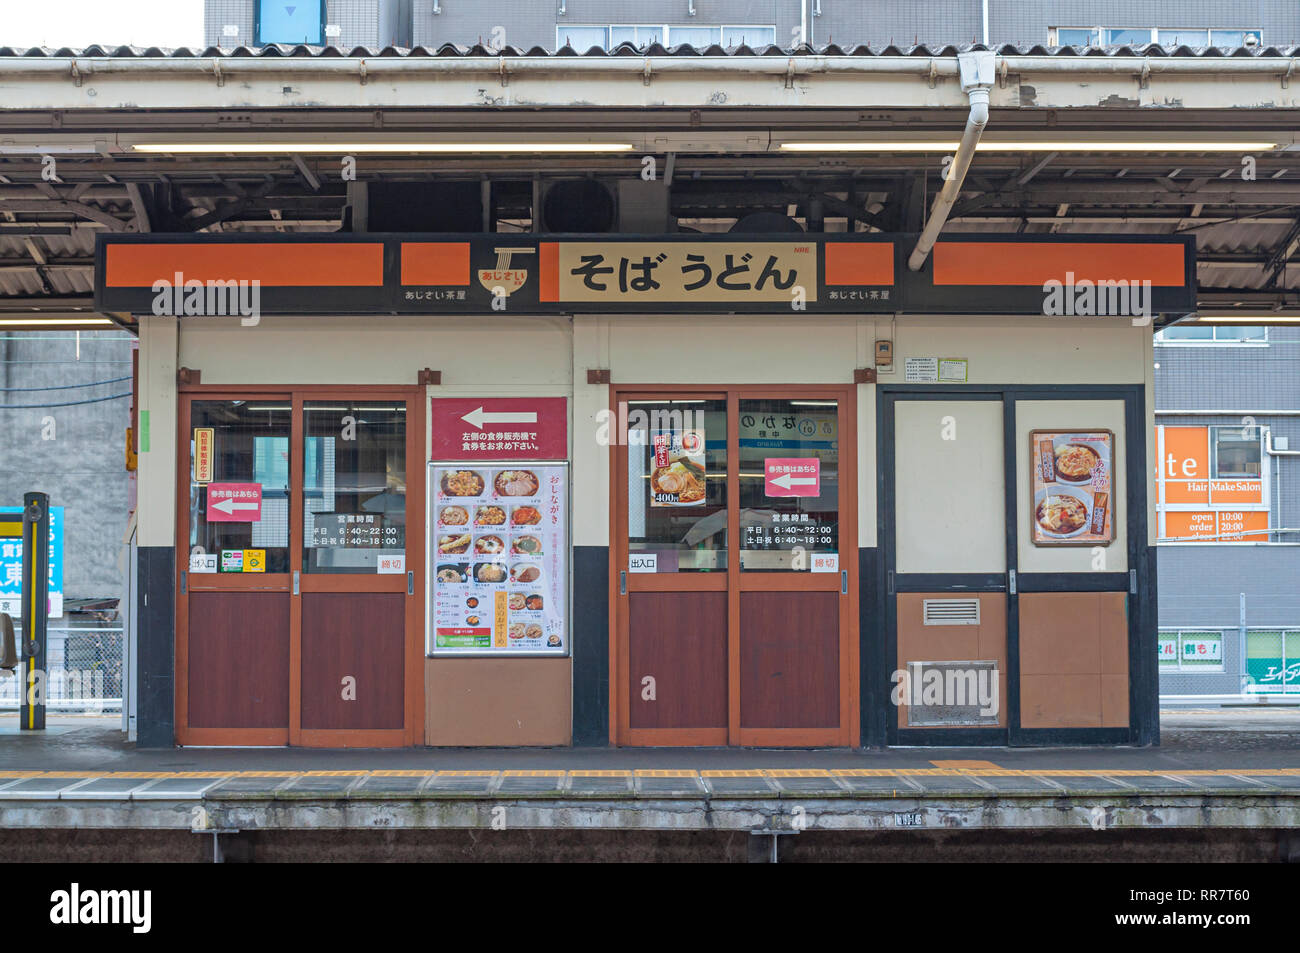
(295, 21)
(11, 566)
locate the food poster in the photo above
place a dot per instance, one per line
(1073, 487)
(499, 541)
(679, 468)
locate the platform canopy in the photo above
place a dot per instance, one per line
(1150, 141)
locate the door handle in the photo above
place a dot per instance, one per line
(622, 582)
(295, 582)
(844, 582)
(1133, 581)
(1011, 582)
(184, 581)
(410, 582)
(889, 582)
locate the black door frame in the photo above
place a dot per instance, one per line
(879, 661)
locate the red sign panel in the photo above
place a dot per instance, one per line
(234, 502)
(500, 428)
(792, 476)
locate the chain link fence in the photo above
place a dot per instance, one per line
(83, 675)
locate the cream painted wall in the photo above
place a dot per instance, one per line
(1026, 350)
(495, 354)
(156, 473)
(731, 349)
(951, 486)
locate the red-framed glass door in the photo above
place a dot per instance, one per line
(324, 647)
(723, 632)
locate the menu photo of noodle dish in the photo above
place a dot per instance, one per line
(1073, 487)
(498, 540)
(678, 469)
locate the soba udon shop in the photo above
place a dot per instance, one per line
(761, 489)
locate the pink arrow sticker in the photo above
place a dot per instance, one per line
(234, 502)
(792, 476)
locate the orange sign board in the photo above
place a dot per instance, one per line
(203, 447)
(1185, 473)
(1229, 526)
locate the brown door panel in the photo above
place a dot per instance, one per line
(789, 660)
(238, 673)
(358, 636)
(680, 640)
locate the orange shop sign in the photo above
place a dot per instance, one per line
(1194, 504)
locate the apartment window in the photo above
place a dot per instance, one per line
(1213, 334)
(636, 35)
(1235, 453)
(278, 22)
(1190, 650)
(753, 36)
(582, 38)
(1140, 36)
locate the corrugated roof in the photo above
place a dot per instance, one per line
(655, 49)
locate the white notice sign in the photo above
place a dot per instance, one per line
(921, 370)
(643, 562)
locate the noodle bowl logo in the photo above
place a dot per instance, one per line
(504, 280)
(1102, 298)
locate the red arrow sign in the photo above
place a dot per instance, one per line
(500, 428)
(234, 502)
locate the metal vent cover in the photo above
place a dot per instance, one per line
(962, 682)
(951, 611)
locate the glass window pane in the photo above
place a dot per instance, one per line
(250, 445)
(354, 485)
(622, 34)
(581, 38)
(1181, 37)
(1234, 332)
(697, 36)
(1071, 37)
(789, 483)
(1234, 37)
(1264, 661)
(1167, 649)
(646, 35)
(1236, 452)
(1201, 650)
(1130, 37)
(752, 36)
(288, 23)
(677, 484)
(1188, 332)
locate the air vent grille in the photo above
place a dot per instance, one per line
(952, 611)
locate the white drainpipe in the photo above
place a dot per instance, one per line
(976, 71)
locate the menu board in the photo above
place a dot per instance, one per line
(1073, 488)
(499, 559)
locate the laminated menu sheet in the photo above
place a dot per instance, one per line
(498, 559)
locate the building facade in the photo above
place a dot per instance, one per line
(1228, 496)
(701, 23)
